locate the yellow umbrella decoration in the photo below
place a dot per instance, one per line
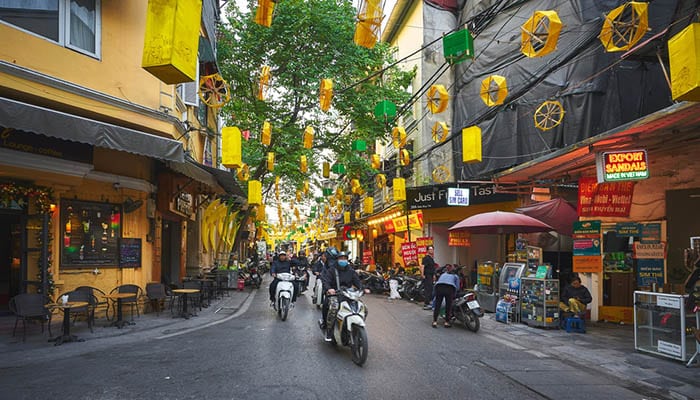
(624, 26)
(494, 90)
(264, 83)
(243, 172)
(376, 161)
(540, 33)
(326, 94)
(380, 180)
(214, 91)
(441, 174)
(369, 21)
(440, 132)
(438, 98)
(549, 115)
(404, 158)
(398, 137)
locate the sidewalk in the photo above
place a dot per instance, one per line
(606, 348)
(149, 325)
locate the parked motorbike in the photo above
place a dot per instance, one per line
(346, 322)
(284, 294)
(467, 310)
(412, 288)
(374, 281)
(255, 278)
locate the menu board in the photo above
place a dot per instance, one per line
(90, 233)
(130, 253)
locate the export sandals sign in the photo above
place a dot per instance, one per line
(617, 166)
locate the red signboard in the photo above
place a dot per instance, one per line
(622, 166)
(409, 252)
(367, 257)
(610, 199)
(459, 239)
(423, 243)
(389, 226)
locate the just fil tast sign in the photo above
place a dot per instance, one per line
(614, 166)
(438, 196)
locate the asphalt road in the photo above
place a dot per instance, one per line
(257, 356)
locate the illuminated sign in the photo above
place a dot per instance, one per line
(622, 165)
(458, 196)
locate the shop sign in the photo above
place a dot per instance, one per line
(669, 348)
(586, 238)
(367, 257)
(627, 165)
(436, 196)
(604, 199)
(458, 196)
(183, 204)
(650, 271)
(409, 252)
(459, 239)
(389, 226)
(668, 302)
(649, 251)
(423, 243)
(628, 229)
(46, 146)
(651, 233)
(399, 224)
(588, 264)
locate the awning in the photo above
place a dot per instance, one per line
(44, 121)
(226, 180)
(195, 171)
(672, 128)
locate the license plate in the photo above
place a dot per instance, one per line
(473, 304)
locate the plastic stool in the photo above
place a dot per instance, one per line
(574, 324)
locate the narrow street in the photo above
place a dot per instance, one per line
(257, 356)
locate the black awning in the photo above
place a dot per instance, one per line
(192, 169)
(31, 118)
(226, 180)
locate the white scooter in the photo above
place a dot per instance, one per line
(317, 295)
(284, 294)
(346, 322)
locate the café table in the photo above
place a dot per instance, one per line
(119, 322)
(66, 307)
(183, 293)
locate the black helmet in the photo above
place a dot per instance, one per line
(332, 252)
(343, 254)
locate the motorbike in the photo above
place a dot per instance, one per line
(412, 288)
(467, 310)
(255, 278)
(317, 295)
(346, 323)
(284, 294)
(374, 281)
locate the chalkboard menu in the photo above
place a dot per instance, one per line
(130, 253)
(90, 233)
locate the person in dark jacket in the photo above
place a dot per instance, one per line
(575, 297)
(428, 277)
(347, 277)
(281, 264)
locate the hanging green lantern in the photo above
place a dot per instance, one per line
(458, 46)
(327, 191)
(338, 168)
(359, 145)
(385, 110)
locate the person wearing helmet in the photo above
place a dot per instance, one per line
(281, 264)
(338, 272)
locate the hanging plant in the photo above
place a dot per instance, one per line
(11, 192)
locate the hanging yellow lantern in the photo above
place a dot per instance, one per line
(684, 57)
(308, 137)
(398, 137)
(303, 165)
(376, 162)
(369, 22)
(494, 90)
(380, 180)
(471, 144)
(326, 94)
(339, 193)
(399, 189)
(264, 83)
(260, 213)
(270, 161)
(172, 39)
(440, 132)
(348, 199)
(549, 115)
(540, 33)
(298, 195)
(263, 15)
(243, 172)
(368, 205)
(357, 215)
(306, 187)
(404, 158)
(438, 98)
(254, 192)
(266, 135)
(326, 170)
(231, 147)
(346, 217)
(624, 26)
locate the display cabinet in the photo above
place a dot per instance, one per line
(539, 302)
(662, 326)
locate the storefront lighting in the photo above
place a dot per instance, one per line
(374, 233)
(52, 208)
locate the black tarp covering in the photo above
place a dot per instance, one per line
(598, 90)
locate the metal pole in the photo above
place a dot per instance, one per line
(44, 264)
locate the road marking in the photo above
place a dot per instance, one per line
(242, 310)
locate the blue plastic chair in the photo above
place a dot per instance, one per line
(574, 324)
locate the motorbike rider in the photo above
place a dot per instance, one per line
(281, 264)
(346, 277)
(302, 263)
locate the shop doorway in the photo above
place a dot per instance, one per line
(10, 258)
(683, 213)
(171, 240)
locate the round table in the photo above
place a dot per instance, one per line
(184, 292)
(66, 307)
(119, 322)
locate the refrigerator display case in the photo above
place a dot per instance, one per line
(487, 285)
(539, 302)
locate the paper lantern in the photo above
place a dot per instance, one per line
(171, 42)
(440, 132)
(684, 56)
(264, 82)
(398, 137)
(270, 161)
(369, 21)
(303, 164)
(348, 199)
(346, 217)
(384, 110)
(231, 147)
(471, 144)
(327, 191)
(260, 212)
(540, 33)
(380, 181)
(549, 115)
(368, 205)
(326, 94)
(359, 145)
(357, 216)
(494, 90)
(308, 137)
(306, 187)
(338, 168)
(375, 161)
(399, 189)
(266, 135)
(404, 158)
(355, 185)
(339, 193)
(438, 98)
(458, 46)
(375, 233)
(624, 26)
(263, 14)
(243, 173)
(298, 195)
(254, 192)
(326, 170)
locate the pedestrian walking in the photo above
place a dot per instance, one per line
(428, 277)
(445, 288)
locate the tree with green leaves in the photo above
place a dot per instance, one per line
(308, 41)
